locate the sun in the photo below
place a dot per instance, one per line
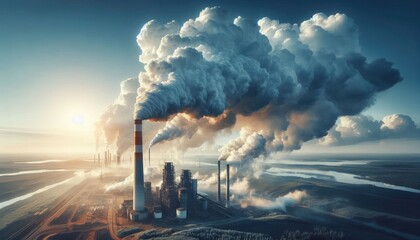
(78, 119)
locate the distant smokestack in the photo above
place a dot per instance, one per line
(218, 181)
(227, 186)
(149, 156)
(140, 211)
(118, 160)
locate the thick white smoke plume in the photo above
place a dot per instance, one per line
(285, 84)
(127, 183)
(356, 129)
(191, 132)
(290, 199)
(116, 123)
(208, 181)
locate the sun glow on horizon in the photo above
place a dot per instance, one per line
(78, 119)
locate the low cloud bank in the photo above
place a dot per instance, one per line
(282, 202)
(356, 129)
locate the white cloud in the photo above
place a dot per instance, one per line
(355, 129)
(282, 202)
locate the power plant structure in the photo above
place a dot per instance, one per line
(227, 203)
(171, 199)
(218, 181)
(227, 194)
(168, 190)
(108, 159)
(139, 210)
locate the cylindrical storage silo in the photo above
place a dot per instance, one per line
(203, 204)
(181, 213)
(182, 197)
(194, 188)
(157, 213)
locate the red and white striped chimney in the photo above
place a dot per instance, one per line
(138, 187)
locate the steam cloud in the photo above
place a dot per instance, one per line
(116, 123)
(127, 183)
(284, 84)
(356, 129)
(191, 132)
(281, 202)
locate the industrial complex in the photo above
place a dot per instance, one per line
(87, 212)
(171, 199)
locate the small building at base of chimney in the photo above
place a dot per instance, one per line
(137, 216)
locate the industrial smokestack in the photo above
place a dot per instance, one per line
(218, 181)
(227, 186)
(149, 156)
(140, 211)
(118, 160)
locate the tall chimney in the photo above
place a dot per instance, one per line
(218, 181)
(118, 160)
(227, 186)
(149, 156)
(138, 188)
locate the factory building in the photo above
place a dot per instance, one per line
(180, 200)
(148, 197)
(171, 199)
(168, 191)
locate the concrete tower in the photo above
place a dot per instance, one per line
(139, 211)
(227, 186)
(218, 181)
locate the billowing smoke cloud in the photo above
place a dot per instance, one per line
(284, 83)
(248, 145)
(360, 128)
(241, 187)
(127, 183)
(191, 132)
(209, 181)
(290, 199)
(116, 123)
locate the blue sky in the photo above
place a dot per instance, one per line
(61, 59)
